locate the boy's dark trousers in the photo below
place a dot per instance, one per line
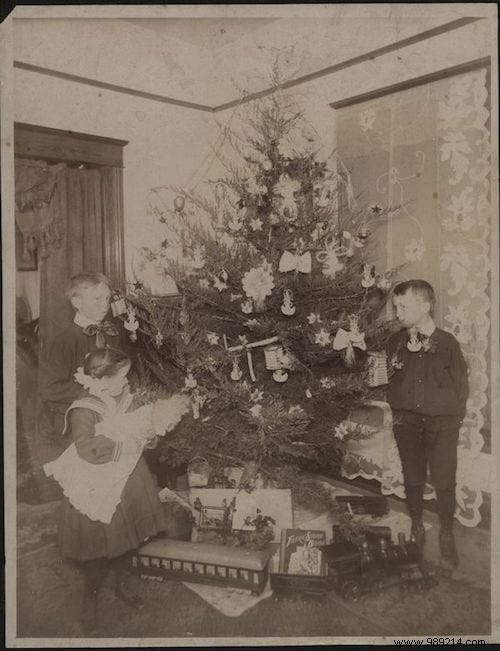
(428, 441)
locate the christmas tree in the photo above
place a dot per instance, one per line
(279, 306)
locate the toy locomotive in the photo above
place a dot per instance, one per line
(375, 565)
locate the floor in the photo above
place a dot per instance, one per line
(49, 593)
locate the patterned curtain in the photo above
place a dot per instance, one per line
(422, 157)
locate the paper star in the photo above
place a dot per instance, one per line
(164, 244)
(375, 209)
(322, 338)
(213, 338)
(314, 318)
(256, 224)
(138, 286)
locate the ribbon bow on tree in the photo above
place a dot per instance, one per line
(294, 262)
(329, 258)
(100, 330)
(345, 340)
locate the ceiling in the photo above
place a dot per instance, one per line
(208, 61)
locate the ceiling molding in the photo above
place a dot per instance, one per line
(413, 82)
(87, 81)
(342, 65)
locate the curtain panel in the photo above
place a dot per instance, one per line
(422, 156)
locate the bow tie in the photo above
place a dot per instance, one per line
(293, 262)
(100, 330)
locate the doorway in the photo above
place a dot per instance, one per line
(69, 218)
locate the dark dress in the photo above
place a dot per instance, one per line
(139, 515)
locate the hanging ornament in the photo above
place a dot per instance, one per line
(220, 282)
(179, 203)
(247, 306)
(414, 344)
(213, 338)
(236, 373)
(314, 318)
(273, 356)
(364, 233)
(190, 381)
(256, 224)
(346, 341)
(367, 275)
(198, 261)
(329, 258)
(235, 224)
(309, 395)
(158, 339)
(377, 369)
(118, 305)
(131, 324)
(258, 283)
(294, 262)
(280, 375)
(322, 338)
(287, 307)
(384, 283)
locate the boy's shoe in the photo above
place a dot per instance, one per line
(417, 534)
(449, 556)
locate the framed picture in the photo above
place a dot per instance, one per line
(21, 264)
(212, 517)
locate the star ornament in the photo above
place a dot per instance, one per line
(256, 224)
(322, 338)
(213, 338)
(314, 318)
(164, 244)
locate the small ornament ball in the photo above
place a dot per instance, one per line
(179, 203)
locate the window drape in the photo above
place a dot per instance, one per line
(423, 156)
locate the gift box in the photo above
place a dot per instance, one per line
(203, 563)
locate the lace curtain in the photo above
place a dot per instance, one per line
(423, 155)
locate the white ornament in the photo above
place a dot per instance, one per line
(247, 307)
(204, 284)
(190, 381)
(309, 394)
(258, 283)
(256, 224)
(131, 324)
(384, 283)
(220, 282)
(280, 375)
(234, 297)
(329, 258)
(293, 262)
(327, 382)
(287, 307)
(213, 338)
(158, 339)
(322, 338)
(198, 261)
(368, 276)
(236, 373)
(256, 411)
(314, 318)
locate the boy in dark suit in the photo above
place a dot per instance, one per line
(427, 393)
(90, 296)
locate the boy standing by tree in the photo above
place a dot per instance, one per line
(90, 295)
(427, 393)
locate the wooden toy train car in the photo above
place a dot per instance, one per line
(164, 559)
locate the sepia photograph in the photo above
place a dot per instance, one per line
(250, 324)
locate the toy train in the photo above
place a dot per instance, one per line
(356, 570)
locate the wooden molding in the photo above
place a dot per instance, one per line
(31, 141)
(412, 83)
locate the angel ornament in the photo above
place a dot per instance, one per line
(287, 307)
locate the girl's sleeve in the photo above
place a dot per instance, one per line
(91, 448)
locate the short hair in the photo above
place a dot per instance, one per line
(419, 287)
(85, 280)
(104, 362)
